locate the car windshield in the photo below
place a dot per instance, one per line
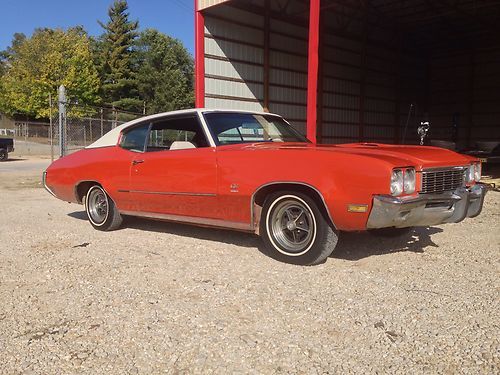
(230, 128)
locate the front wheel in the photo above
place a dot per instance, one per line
(295, 230)
(101, 210)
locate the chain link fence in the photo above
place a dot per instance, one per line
(81, 126)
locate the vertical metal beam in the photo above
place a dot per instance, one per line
(362, 83)
(199, 44)
(321, 54)
(312, 70)
(267, 32)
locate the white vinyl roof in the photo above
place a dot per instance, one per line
(112, 137)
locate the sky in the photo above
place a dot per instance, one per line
(172, 17)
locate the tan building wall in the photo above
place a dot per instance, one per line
(6, 122)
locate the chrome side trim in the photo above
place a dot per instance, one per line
(244, 227)
(252, 200)
(44, 180)
(169, 193)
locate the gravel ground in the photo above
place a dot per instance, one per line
(159, 297)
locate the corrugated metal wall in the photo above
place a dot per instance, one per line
(368, 82)
(465, 96)
(288, 72)
(235, 62)
(340, 84)
(202, 4)
(234, 59)
(369, 77)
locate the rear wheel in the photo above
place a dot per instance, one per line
(295, 230)
(101, 210)
(4, 155)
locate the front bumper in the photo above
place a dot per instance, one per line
(425, 210)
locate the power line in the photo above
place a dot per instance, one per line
(184, 6)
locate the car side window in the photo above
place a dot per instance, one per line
(176, 134)
(135, 138)
(246, 132)
(231, 127)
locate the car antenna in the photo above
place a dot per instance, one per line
(407, 121)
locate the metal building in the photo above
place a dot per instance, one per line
(347, 71)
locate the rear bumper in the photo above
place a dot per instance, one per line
(424, 210)
(44, 180)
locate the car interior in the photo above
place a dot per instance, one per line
(168, 134)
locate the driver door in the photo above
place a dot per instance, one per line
(176, 172)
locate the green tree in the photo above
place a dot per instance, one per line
(115, 55)
(39, 65)
(3, 63)
(165, 73)
(11, 51)
(17, 41)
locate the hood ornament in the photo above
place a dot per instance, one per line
(422, 131)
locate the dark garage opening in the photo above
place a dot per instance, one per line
(384, 66)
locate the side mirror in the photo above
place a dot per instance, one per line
(422, 130)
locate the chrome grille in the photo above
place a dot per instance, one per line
(441, 180)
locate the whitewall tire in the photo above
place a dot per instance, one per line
(101, 210)
(295, 229)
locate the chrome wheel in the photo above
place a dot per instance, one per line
(97, 206)
(292, 225)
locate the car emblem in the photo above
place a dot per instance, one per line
(234, 188)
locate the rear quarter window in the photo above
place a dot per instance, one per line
(135, 138)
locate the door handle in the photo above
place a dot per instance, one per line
(135, 162)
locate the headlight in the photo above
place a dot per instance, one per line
(477, 172)
(409, 180)
(469, 174)
(397, 182)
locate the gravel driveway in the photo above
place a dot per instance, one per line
(159, 297)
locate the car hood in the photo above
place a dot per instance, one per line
(399, 155)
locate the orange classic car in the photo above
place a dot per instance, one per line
(254, 172)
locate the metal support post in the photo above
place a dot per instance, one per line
(312, 70)
(62, 121)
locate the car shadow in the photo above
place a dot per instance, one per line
(210, 234)
(13, 159)
(352, 246)
(80, 215)
(358, 245)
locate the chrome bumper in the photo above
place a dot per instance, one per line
(424, 210)
(44, 180)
